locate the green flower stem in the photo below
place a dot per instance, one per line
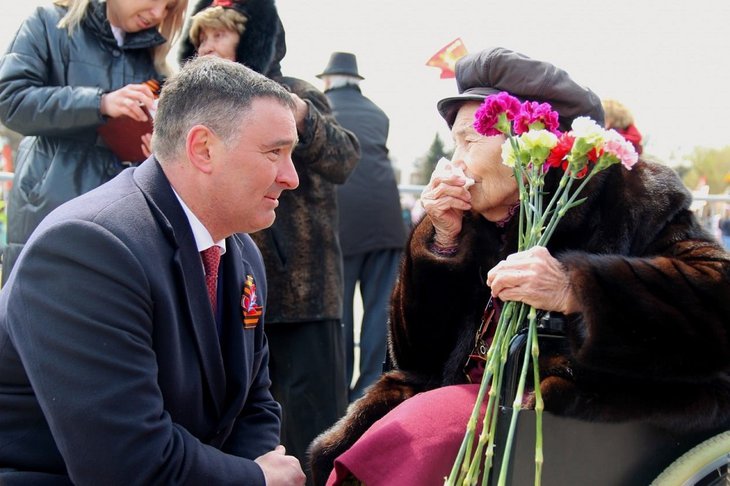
(467, 472)
(490, 420)
(500, 345)
(517, 171)
(489, 455)
(539, 407)
(563, 187)
(562, 203)
(463, 461)
(492, 433)
(517, 404)
(538, 183)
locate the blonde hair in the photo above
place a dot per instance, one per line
(169, 28)
(216, 18)
(616, 114)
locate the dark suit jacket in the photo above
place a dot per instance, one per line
(111, 368)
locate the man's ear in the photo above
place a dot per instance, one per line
(199, 147)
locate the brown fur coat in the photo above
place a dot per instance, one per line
(653, 341)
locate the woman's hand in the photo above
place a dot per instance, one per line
(535, 278)
(301, 112)
(445, 199)
(129, 100)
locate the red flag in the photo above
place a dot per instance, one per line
(446, 58)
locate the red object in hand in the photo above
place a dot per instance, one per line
(123, 135)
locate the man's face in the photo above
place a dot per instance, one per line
(250, 175)
(218, 42)
(495, 190)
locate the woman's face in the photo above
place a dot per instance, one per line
(137, 15)
(218, 42)
(495, 189)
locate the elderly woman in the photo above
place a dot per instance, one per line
(644, 291)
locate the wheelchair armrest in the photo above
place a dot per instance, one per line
(551, 339)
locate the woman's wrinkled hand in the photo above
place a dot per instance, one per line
(535, 278)
(131, 100)
(445, 199)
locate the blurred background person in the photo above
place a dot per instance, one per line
(620, 119)
(724, 225)
(301, 249)
(372, 232)
(71, 66)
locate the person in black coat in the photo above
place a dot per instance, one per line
(71, 67)
(372, 233)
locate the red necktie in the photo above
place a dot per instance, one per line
(211, 258)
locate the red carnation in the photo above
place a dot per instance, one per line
(560, 151)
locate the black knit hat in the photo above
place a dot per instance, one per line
(484, 73)
(262, 44)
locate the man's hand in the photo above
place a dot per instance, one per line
(280, 469)
(535, 278)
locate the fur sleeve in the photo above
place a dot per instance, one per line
(436, 299)
(325, 145)
(661, 308)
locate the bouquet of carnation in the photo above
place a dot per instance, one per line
(534, 146)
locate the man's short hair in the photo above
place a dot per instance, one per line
(208, 91)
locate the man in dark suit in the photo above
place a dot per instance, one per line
(121, 361)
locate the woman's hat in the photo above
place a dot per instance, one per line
(344, 63)
(488, 72)
(261, 47)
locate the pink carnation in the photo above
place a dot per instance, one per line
(622, 149)
(534, 112)
(487, 116)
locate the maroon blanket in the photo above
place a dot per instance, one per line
(415, 444)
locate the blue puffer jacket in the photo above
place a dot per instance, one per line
(50, 91)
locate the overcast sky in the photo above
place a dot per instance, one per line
(669, 61)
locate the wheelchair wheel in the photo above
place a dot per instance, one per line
(707, 464)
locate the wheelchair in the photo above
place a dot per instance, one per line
(578, 452)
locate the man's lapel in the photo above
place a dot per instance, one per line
(188, 275)
(234, 342)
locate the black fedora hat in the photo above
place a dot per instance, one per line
(344, 63)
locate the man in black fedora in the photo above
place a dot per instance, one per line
(371, 251)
